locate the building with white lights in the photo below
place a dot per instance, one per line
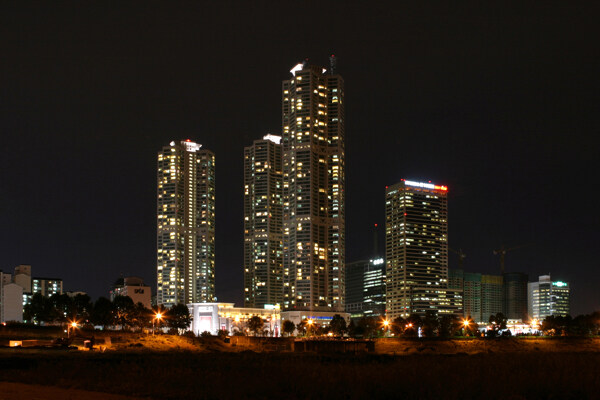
(263, 223)
(547, 297)
(313, 138)
(417, 251)
(186, 224)
(213, 317)
(365, 288)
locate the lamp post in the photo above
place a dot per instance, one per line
(71, 325)
(466, 324)
(157, 317)
(310, 322)
(386, 327)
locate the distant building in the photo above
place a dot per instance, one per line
(185, 224)
(515, 295)
(213, 317)
(417, 251)
(11, 301)
(22, 277)
(365, 288)
(263, 223)
(133, 287)
(482, 294)
(46, 286)
(547, 297)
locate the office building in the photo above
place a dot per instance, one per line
(365, 288)
(263, 223)
(547, 297)
(313, 188)
(482, 294)
(515, 295)
(186, 224)
(133, 287)
(417, 251)
(492, 288)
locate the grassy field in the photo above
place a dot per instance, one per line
(219, 375)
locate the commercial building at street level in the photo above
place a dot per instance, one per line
(547, 297)
(186, 224)
(263, 223)
(313, 188)
(417, 251)
(365, 288)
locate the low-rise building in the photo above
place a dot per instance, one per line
(213, 317)
(133, 287)
(11, 303)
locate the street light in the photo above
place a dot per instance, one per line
(72, 325)
(309, 322)
(157, 317)
(386, 326)
(466, 324)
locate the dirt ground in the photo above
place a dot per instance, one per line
(21, 391)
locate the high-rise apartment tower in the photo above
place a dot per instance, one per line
(313, 189)
(186, 224)
(263, 223)
(417, 250)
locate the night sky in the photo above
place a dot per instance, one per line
(501, 106)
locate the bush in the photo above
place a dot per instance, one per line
(205, 334)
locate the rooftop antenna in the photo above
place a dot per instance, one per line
(332, 64)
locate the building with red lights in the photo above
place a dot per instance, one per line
(417, 251)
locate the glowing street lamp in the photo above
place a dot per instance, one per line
(72, 325)
(466, 324)
(386, 326)
(157, 317)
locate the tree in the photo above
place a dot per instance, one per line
(431, 324)
(140, 316)
(39, 310)
(102, 312)
(80, 308)
(498, 322)
(397, 326)
(369, 326)
(338, 325)
(61, 307)
(449, 325)
(178, 317)
(255, 324)
(288, 327)
(122, 308)
(302, 326)
(413, 323)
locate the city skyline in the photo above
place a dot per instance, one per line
(499, 109)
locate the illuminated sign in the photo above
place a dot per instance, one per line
(377, 261)
(297, 68)
(273, 138)
(559, 284)
(191, 146)
(426, 185)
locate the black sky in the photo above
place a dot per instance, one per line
(499, 104)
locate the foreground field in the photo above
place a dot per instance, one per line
(227, 375)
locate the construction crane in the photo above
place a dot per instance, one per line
(502, 253)
(461, 256)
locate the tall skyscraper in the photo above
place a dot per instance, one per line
(186, 224)
(547, 297)
(263, 223)
(365, 288)
(313, 189)
(417, 251)
(482, 294)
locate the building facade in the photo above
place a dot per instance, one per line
(547, 297)
(515, 295)
(417, 250)
(482, 294)
(213, 317)
(313, 137)
(132, 286)
(263, 223)
(365, 288)
(47, 287)
(186, 224)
